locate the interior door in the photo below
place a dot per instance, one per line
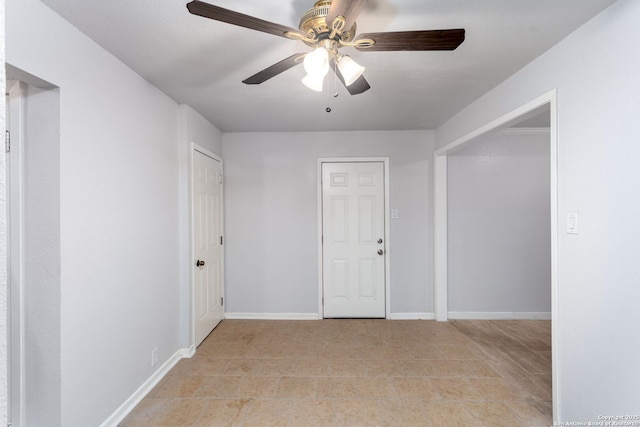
(353, 247)
(207, 238)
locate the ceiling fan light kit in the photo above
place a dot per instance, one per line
(350, 69)
(316, 64)
(314, 82)
(327, 27)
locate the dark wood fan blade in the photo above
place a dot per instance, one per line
(350, 9)
(216, 13)
(414, 40)
(357, 87)
(275, 69)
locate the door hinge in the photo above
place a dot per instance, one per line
(220, 179)
(221, 300)
(7, 141)
(221, 241)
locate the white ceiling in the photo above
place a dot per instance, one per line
(201, 62)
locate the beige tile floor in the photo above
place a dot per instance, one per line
(359, 373)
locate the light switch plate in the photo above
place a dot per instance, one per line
(572, 222)
(394, 213)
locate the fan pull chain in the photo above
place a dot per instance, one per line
(335, 92)
(328, 109)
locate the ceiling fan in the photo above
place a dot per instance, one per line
(327, 27)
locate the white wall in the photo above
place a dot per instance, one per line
(3, 246)
(595, 71)
(121, 184)
(271, 217)
(499, 226)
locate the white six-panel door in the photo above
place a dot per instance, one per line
(353, 233)
(207, 235)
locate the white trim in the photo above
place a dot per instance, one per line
(440, 241)
(555, 307)
(440, 220)
(196, 147)
(15, 117)
(502, 122)
(411, 316)
(188, 353)
(319, 238)
(524, 131)
(471, 315)
(119, 414)
(316, 316)
(387, 225)
(193, 147)
(272, 316)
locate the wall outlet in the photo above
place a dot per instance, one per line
(154, 357)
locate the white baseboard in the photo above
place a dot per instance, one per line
(187, 353)
(411, 316)
(316, 316)
(146, 387)
(516, 315)
(272, 316)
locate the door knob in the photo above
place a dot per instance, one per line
(379, 240)
(199, 263)
(380, 251)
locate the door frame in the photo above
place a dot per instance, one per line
(441, 212)
(192, 241)
(15, 91)
(387, 233)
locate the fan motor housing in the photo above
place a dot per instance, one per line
(314, 23)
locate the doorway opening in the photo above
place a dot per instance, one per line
(537, 107)
(33, 247)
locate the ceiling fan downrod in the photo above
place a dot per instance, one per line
(314, 24)
(318, 33)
